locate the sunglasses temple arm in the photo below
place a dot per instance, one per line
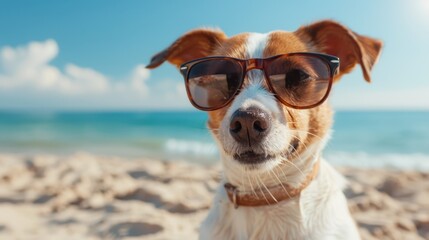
(335, 66)
(336, 70)
(183, 70)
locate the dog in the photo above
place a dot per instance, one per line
(265, 96)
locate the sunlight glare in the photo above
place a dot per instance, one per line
(424, 4)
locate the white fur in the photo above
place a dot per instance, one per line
(319, 212)
(255, 45)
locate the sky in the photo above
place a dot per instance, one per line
(90, 55)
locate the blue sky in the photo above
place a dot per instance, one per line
(90, 55)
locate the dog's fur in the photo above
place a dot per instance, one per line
(320, 211)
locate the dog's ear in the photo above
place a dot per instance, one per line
(192, 45)
(335, 39)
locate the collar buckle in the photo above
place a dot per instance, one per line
(231, 188)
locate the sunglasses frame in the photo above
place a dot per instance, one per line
(332, 62)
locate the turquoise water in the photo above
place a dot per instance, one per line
(397, 139)
(381, 132)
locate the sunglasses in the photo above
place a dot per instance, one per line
(298, 80)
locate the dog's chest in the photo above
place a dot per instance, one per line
(283, 221)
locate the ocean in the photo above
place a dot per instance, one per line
(360, 138)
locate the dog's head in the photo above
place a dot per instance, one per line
(255, 131)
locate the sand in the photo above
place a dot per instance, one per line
(83, 196)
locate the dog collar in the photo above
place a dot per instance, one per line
(268, 196)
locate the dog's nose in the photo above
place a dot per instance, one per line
(249, 126)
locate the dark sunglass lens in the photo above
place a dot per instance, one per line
(301, 81)
(212, 83)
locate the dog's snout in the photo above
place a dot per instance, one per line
(249, 126)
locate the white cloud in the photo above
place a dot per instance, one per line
(138, 77)
(78, 80)
(30, 67)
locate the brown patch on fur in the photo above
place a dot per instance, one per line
(282, 42)
(319, 123)
(192, 45)
(215, 118)
(333, 38)
(309, 125)
(233, 47)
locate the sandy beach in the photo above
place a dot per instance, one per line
(83, 196)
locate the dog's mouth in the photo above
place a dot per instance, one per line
(251, 157)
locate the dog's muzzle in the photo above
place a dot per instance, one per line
(249, 126)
